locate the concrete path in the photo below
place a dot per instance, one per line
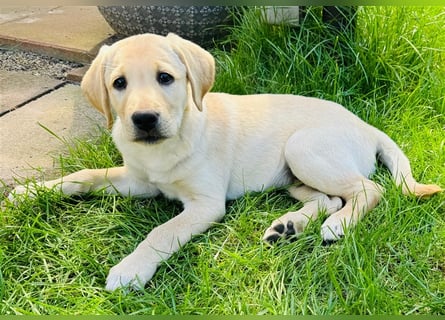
(69, 33)
(28, 85)
(28, 149)
(29, 102)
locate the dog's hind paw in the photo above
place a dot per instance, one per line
(333, 229)
(279, 230)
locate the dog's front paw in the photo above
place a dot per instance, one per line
(21, 191)
(131, 273)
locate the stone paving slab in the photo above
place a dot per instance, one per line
(26, 146)
(18, 87)
(72, 33)
(9, 14)
(76, 75)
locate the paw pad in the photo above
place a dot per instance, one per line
(274, 233)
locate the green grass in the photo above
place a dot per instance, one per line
(55, 251)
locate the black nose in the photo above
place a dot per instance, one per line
(145, 121)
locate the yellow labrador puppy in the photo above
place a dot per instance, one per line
(203, 148)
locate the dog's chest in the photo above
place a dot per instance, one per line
(171, 173)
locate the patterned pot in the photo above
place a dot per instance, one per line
(200, 24)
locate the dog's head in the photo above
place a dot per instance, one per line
(149, 81)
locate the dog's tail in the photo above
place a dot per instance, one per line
(398, 164)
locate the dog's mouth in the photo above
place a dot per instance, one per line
(149, 137)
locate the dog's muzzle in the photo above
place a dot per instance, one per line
(146, 126)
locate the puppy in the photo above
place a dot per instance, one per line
(204, 148)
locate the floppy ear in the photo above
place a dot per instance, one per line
(93, 85)
(199, 63)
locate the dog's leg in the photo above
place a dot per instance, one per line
(112, 180)
(294, 223)
(360, 197)
(336, 163)
(138, 267)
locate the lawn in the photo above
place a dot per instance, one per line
(55, 251)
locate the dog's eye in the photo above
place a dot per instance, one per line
(120, 83)
(165, 78)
